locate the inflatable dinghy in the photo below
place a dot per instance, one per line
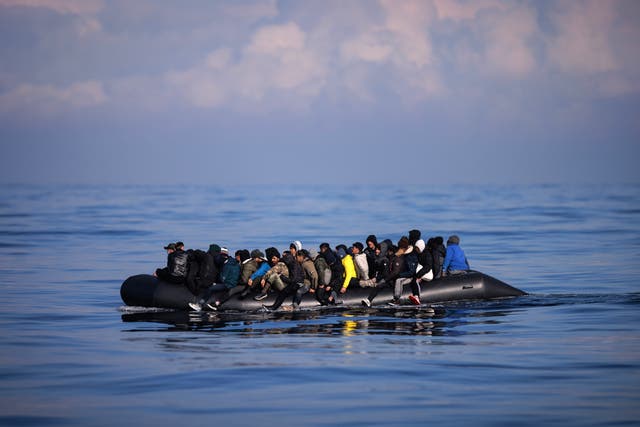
(148, 291)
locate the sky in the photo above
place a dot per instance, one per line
(424, 92)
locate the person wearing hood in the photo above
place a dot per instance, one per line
(350, 275)
(455, 261)
(294, 247)
(229, 275)
(328, 294)
(407, 275)
(438, 253)
(414, 236)
(294, 280)
(272, 278)
(424, 270)
(370, 251)
(396, 266)
(261, 267)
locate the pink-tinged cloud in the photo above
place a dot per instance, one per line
(64, 7)
(582, 43)
(460, 10)
(509, 39)
(49, 99)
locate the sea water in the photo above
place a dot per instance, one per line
(566, 354)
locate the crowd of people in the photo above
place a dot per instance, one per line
(214, 276)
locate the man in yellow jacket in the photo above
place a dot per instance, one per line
(350, 274)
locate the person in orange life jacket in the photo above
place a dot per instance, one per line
(177, 263)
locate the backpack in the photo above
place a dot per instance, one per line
(411, 264)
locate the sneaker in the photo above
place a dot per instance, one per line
(366, 302)
(393, 303)
(213, 306)
(260, 297)
(266, 308)
(195, 306)
(414, 299)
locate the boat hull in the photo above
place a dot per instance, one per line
(148, 291)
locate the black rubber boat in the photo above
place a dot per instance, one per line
(147, 291)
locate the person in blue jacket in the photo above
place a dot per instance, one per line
(455, 261)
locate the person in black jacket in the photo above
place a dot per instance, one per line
(438, 252)
(424, 273)
(177, 266)
(294, 282)
(329, 293)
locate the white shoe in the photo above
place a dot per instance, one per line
(366, 302)
(195, 306)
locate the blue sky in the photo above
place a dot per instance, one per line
(242, 92)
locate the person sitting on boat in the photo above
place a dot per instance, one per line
(271, 278)
(202, 271)
(310, 275)
(455, 262)
(362, 265)
(424, 271)
(329, 293)
(229, 275)
(177, 263)
(407, 275)
(370, 252)
(414, 236)
(253, 282)
(294, 247)
(350, 276)
(294, 280)
(438, 253)
(391, 265)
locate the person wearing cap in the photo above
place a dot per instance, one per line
(262, 266)
(455, 261)
(350, 276)
(293, 281)
(271, 278)
(177, 263)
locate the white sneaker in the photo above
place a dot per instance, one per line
(195, 306)
(366, 302)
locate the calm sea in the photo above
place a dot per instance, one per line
(567, 354)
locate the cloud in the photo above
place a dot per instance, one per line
(64, 7)
(83, 11)
(49, 99)
(582, 42)
(274, 65)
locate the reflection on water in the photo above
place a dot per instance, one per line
(437, 321)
